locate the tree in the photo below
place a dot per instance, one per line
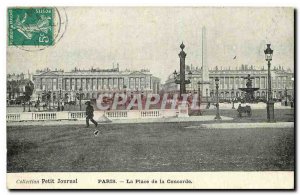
(28, 93)
(9, 90)
(12, 89)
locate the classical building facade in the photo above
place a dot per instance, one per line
(92, 82)
(232, 80)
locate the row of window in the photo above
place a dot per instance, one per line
(94, 84)
(229, 83)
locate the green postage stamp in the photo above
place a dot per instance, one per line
(31, 26)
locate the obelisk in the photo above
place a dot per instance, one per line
(205, 73)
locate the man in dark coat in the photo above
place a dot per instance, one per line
(90, 114)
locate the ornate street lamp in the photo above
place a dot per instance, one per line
(270, 102)
(53, 97)
(232, 96)
(217, 98)
(49, 99)
(285, 95)
(80, 97)
(59, 100)
(38, 102)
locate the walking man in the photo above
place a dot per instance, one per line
(90, 114)
(62, 107)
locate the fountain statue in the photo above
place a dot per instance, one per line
(249, 90)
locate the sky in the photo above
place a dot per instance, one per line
(149, 38)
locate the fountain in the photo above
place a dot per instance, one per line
(249, 96)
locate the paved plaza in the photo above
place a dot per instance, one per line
(165, 146)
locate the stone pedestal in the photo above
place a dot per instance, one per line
(183, 110)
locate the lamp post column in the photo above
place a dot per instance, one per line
(286, 98)
(269, 82)
(270, 103)
(80, 101)
(270, 106)
(38, 102)
(80, 96)
(49, 99)
(233, 98)
(59, 101)
(53, 101)
(217, 98)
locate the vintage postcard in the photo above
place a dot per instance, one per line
(150, 98)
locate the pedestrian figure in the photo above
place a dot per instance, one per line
(44, 106)
(62, 106)
(38, 105)
(90, 114)
(35, 106)
(208, 105)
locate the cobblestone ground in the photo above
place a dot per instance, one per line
(150, 147)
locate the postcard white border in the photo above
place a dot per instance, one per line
(5, 177)
(152, 180)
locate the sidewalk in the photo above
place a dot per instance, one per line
(261, 125)
(121, 121)
(258, 106)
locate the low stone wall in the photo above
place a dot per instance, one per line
(98, 115)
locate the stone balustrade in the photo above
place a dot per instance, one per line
(80, 115)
